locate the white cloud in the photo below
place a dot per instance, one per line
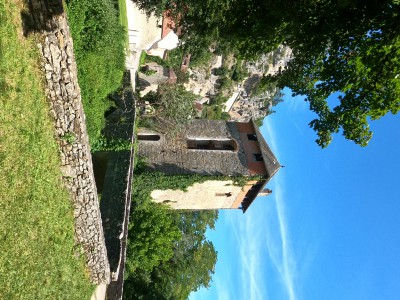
(276, 232)
(247, 233)
(286, 265)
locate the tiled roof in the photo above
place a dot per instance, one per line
(271, 162)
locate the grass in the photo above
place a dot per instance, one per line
(142, 60)
(36, 218)
(123, 16)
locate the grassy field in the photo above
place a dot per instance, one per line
(36, 219)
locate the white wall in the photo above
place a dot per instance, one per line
(199, 196)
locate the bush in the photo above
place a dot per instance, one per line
(174, 57)
(99, 45)
(214, 112)
(104, 144)
(239, 73)
(156, 59)
(222, 71)
(174, 107)
(142, 60)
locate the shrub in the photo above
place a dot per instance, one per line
(99, 42)
(222, 71)
(142, 60)
(239, 73)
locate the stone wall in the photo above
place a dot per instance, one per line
(116, 194)
(171, 155)
(63, 92)
(211, 194)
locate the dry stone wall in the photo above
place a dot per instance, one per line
(63, 92)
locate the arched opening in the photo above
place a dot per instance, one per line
(148, 137)
(217, 145)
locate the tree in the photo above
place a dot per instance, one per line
(194, 258)
(345, 48)
(154, 233)
(199, 22)
(190, 267)
(174, 107)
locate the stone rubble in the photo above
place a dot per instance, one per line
(254, 107)
(203, 82)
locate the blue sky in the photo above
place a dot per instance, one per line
(331, 228)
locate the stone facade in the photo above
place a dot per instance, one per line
(63, 92)
(219, 194)
(172, 156)
(210, 147)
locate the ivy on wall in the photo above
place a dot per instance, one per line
(144, 182)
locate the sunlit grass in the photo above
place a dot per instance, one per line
(36, 219)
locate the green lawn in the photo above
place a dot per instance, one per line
(122, 13)
(36, 219)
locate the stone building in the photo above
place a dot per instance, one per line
(211, 147)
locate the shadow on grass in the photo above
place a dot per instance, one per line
(40, 15)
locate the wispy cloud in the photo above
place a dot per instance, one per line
(246, 232)
(294, 122)
(262, 236)
(270, 136)
(286, 262)
(295, 103)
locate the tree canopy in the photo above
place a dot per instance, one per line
(346, 48)
(168, 254)
(349, 49)
(191, 258)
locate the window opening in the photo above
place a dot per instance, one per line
(258, 157)
(148, 137)
(221, 145)
(224, 194)
(252, 137)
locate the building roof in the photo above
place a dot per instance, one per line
(271, 165)
(252, 194)
(271, 162)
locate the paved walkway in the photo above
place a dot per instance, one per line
(99, 293)
(143, 32)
